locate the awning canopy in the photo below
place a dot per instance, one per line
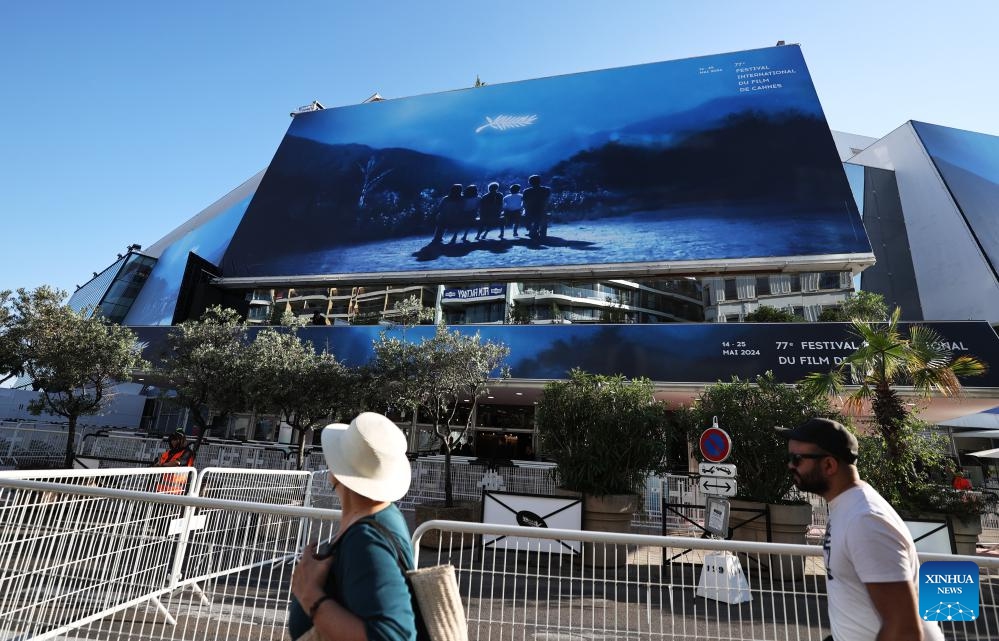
(987, 420)
(993, 453)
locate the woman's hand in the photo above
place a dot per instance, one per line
(309, 578)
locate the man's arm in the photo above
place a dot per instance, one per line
(896, 604)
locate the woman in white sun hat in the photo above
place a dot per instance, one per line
(358, 590)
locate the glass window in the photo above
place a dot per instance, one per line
(829, 280)
(506, 417)
(504, 446)
(762, 285)
(731, 291)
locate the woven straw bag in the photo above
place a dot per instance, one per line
(436, 590)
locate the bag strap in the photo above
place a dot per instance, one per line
(392, 538)
(421, 627)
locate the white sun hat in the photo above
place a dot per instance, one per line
(368, 456)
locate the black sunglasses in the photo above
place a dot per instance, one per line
(795, 459)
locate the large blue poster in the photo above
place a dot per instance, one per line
(717, 158)
(668, 352)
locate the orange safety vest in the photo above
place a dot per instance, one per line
(173, 483)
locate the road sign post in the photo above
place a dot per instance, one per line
(717, 478)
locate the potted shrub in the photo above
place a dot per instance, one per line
(607, 434)
(749, 412)
(915, 480)
(902, 457)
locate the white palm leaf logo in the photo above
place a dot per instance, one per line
(503, 122)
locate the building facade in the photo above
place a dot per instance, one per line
(614, 235)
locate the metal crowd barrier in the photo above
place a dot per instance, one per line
(89, 556)
(567, 584)
(43, 446)
(37, 445)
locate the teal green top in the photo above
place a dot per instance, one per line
(365, 578)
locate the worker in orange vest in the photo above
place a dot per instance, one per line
(179, 454)
(960, 481)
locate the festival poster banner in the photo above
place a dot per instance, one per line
(669, 353)
(717, 158)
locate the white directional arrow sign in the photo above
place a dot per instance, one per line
(717, 486)
(726, 470)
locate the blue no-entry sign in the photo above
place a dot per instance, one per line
(716, 444)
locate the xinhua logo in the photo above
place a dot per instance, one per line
(948, 591)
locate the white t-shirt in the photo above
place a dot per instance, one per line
(866, 542)
(513, 202)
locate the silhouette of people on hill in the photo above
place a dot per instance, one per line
(513, 209)
(490, 212)
(536, 208)
(449, 215)
(471, 210)
(463, 209)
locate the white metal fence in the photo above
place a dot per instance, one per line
(35, 445)
(98, 554)
(651, 587)
(27, 445)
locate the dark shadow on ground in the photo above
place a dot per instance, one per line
(458, 249)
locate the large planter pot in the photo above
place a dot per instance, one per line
(788, 524)
(966, 528)
(468, 511)
(966, 531)
(608, 513)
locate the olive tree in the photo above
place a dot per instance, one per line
(288, 377)
(11, 363)
(75, 358)
(205, 366)
(434, 375)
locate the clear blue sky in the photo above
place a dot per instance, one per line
(119, 120)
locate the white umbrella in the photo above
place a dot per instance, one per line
(993, 453)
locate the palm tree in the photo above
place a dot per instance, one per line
(887, 359)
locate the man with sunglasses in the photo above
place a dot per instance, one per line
(872, 567)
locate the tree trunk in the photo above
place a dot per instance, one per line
(70, 442)
(448, 498)
(202, 429)
(301, 448)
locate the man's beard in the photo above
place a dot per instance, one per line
(812, 482)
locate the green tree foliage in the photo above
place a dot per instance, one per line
(206, 367)
(11, 362)
(519, 313)
(901, 461)
(866, 306)
(916, 479)
(749, 412)
(433, 376)
(607, 433)
(768, 314)
(287, 376)
(75, 358)
(411, 312)
(887, 358)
